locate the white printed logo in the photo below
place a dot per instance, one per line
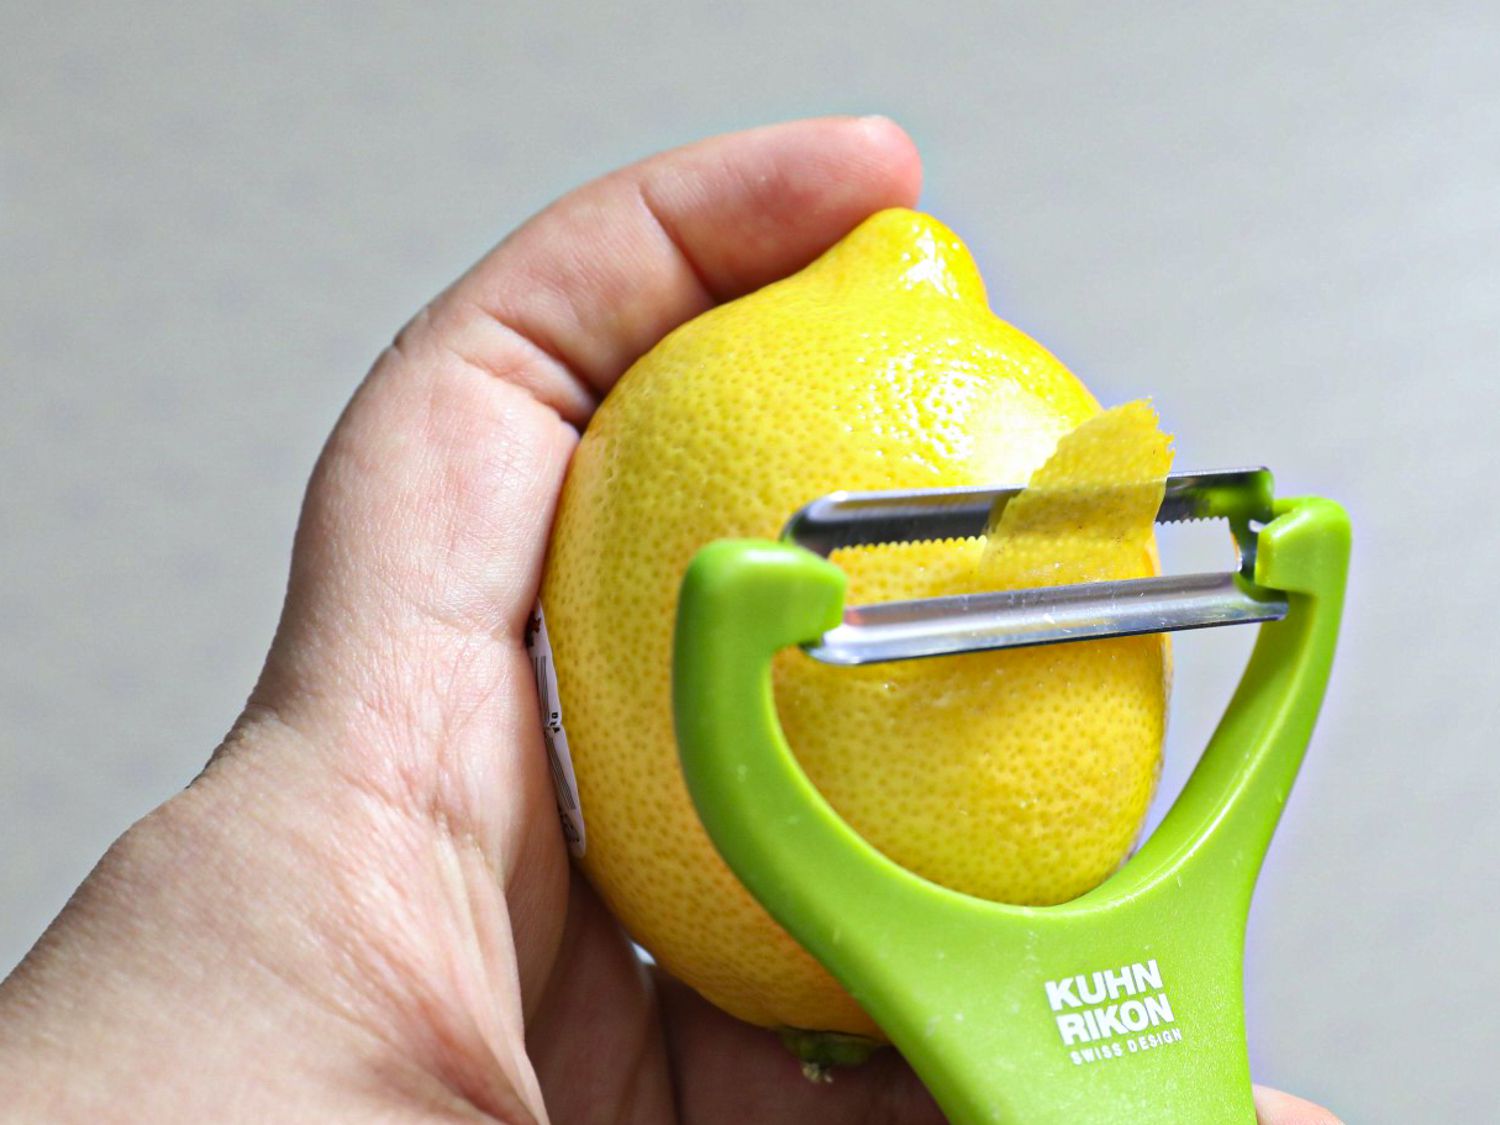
(1095, 1010)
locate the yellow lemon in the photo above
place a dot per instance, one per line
(1020, 776)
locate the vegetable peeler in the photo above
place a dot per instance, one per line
(1122, 1005)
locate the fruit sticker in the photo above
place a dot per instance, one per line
(559, 760)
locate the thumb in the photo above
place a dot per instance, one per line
(1272, 1107)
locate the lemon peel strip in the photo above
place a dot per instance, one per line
(1087, 514)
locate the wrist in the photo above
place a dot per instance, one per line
(258, 948)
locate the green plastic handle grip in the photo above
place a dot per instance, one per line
(1122, 1005)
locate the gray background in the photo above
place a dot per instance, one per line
(1285, 226)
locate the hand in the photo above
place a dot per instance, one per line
(362, 909)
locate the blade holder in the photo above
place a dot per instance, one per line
(989, 1001)
(945, 626)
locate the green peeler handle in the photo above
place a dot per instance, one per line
(1122, 1005)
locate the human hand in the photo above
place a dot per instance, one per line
(362, 909)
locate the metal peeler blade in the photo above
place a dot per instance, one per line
(947, 626)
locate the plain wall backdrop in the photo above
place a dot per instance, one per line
(1281, 222)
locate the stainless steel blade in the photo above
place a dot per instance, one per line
(867, 519)
(1017, 618)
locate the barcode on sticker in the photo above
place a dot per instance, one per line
(554, 737)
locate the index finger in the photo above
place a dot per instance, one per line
(574, 296)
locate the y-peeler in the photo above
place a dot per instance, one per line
(1124, 1005)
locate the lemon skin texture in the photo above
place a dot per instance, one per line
(1021, 776)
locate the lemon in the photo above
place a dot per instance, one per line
(1019, 776)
